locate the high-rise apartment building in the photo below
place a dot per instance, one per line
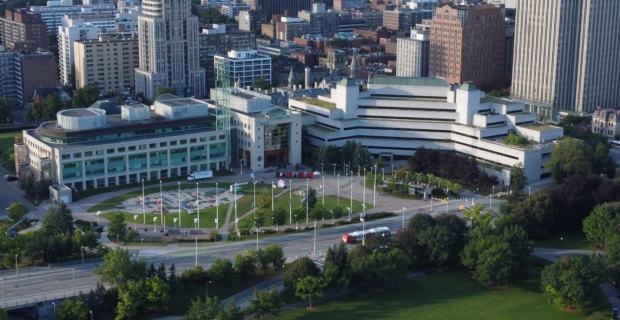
(467, 44)
(267, 8)
(565, 56)
(323, 22)
(53, 13)
(405, 19)
(23, 71)
(169, 51)
(412, 54)
(346, 5)
(107, 62)
(23, 30)
(373, 17)
(75, 29)
(246, 67)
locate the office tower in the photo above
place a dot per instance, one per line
(467, 44)
(169, 51)
(412, 54)
(23, 30)
(405, 19)
(565, 56)
(323, 22)
(246, 67)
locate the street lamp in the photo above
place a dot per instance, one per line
(332, 212)
(161, 202)
(383, 172)
(54, 305)
(561, 242)
(374, 194)
(307, 198)
(334, 169)
(217, 204)
(254, 201)
(179, 192)
(16, 267)
(364, 189)
(197, 206)
(290, 201)
(272, 187)
(323, 190)
(154, 228)
(338, 198)
(314, 245)
(143, 212)
(97, 214)
(321, 168)
(91, 314)
(196, 263)
(529, 191)
(235, 195)
(351, 208)
(359, 169)
(142, 246)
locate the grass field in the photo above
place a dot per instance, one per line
(7, 139)
(573, 240)
(447, 295)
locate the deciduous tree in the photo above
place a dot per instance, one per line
(518, 179)
(117, 226)
(57, 220)
(221, 270)
(300, 268)
(71, 309)
(17, 211)
(245, 264)
(85, 96)
(570, 156)
(603, 222)
(571, 282)
(264, 303)
(310, 288)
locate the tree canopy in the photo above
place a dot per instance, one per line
(603, 222)
(85, 96)
(17, 210)
(57, 220)
(6, 110)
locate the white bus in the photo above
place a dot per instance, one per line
(615, 144)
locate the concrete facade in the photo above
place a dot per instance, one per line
(606, 122)
(246, 66)
(576, 70)
(405, 19)
(323, 22)
(413, 54)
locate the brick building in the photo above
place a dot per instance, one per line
(20, 29)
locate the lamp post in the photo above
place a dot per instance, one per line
(383, 172)
(2, 284)
(179, 192)
(197, 206)
(307, 198)
(135, 225)
(91, 314)
(351, 196)
(142, 246)
(97, 214)
(364, 189)
(403, 218)
(374, 194)
(272, 185)
(338, 197)
(349, 209)
(154, 228)
(321, 168)
(332, 212)
(359, 169)
(561, 242)
(323, 190)
(334, 169)
(254, 201)
(529, 191)
(235, 194)
(143, 212)
(54, 306)
(314, 243)
(161, 202)
(196, 263)
(290, 201)
(207, 297)
(16, 267)
(217, 204)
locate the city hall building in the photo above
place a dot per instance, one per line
(87, 149)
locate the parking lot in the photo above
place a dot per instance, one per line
(10, 193)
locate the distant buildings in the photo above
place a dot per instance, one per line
(169, 50)
(23, 71)
(53, 13)
(405, 19)
(267, 8)
(323, 22)
(467, 44)
(73, 30)
(21, 29)
(107, 62)
(413, 54)
(565, 57)
(346, 5)
(246, 67)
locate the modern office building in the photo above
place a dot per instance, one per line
(467, 44)
(246, 66)
(23, 71)
(405, 19)
(103, 21)
(20, 29)
(346, 5)
(107, 62)
(8, 84)
(565, 56)
(169, 49)
(263, 135)
(323, 22)
(413, 53)
(510, 47)
(175, 139)
(396, 115)
(53, 13)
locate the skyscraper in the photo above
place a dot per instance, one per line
(565, 56)
(169, 49)
(467, 44)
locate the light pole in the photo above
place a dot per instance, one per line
(272, 187)
(334, 169)
(16, 267)
(374, 194)
(314, 245)
(54, 306)
(351, 196)
(97, 214)
(143, 212)
(529, 191)
(73, 271)
(290, 201)
(91, 314)
(154, 228)
(161, 202)
(338, 198)
(364, 190)
(217, 204)
(359, 169)
(332, 212)
(196, 263)
(135, 225)
(321, 168)
(254, 201)
(349, 209)
(561, 242)
(403, 218)
(235, 194)
(307, 198)
(2, 284)
(323, 190)
(197, 206)
(383, 172)
(142, 246)
(179, 184)
(207, 290)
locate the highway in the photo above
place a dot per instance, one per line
(58, 282)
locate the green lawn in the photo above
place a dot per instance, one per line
(573, 240)
(7, 140)
(447, 295)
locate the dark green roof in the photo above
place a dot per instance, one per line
(408, 81)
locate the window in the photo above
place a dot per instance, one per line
(184, 141)
(153, 145)
(163, 144)
(192, 140)
(77, 155)
(132, 148)
(110, 151)
(66, 156)
(121, 149)
(142, 147)
(99, 152)
(88, 154)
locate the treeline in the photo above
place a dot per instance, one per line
(451, 165)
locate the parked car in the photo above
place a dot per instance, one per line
(10, 177)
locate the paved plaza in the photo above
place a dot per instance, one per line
(189, 200)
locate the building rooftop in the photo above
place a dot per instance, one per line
(79, 112)
(497, 100)
(319, 103)
(180, 102)
(409, 81)
(540, 127)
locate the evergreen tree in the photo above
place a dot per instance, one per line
(57, 220)
(151, 271)
(161, 272)
(173, 281)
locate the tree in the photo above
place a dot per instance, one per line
(278, 217)
(115, 267)
(50, 107)
(443, 245)
(514, 139)
(339, 43)
(17, 211)
(221, 270)
(131, 298)
(318, 212)
(6, 109)
(57, 220)
(603, 222)
(173, 281)
(263, 201)
(571, 282)
(275, 256)
(300, 268)
(232, 311)
(245, 264)
(259, 219)
(158, 294)
(161, 272)
(85, 96)
(261, 83)
(210, 309)
(311, 198)
(537, 214)
(264, 303)
(72, 310)
(244, 228)
(95, 299)
(518, 179)
(117, 226)
(612, 257)
(309, 288)
(570, 156)
(571, 119)
(151, 271)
